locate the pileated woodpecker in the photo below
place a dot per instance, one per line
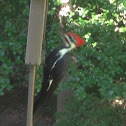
(56, 66)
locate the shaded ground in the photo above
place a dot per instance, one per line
(13, 108)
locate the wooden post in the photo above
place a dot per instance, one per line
(31, 95)
(62, 96)
(36, 30)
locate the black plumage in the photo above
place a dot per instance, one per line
(56, 66)
(55, 74)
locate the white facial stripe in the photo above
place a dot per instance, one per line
(72, 44)
(66, 44)
(50, 83)
(68, 39)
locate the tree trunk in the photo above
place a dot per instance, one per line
(62, 96)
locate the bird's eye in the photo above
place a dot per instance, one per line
(72, 39)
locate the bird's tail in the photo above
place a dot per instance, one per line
(39, 98)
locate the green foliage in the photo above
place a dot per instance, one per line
(13, 26)
(101, 62)
(91, 111)
(101, 71)
(11, 61)
(14, 18)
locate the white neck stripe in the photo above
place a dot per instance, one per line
(62, 52)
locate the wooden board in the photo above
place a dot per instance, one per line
(36, 31)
